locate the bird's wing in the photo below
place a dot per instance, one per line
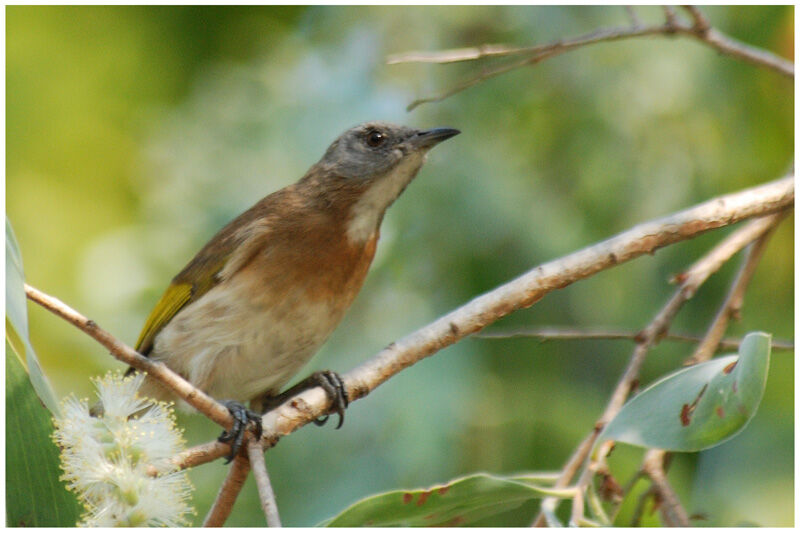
(224, 255)
(172, 301)
(194, 281)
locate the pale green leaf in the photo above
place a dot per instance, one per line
(17, 321)
(460, 502)
(699, 406)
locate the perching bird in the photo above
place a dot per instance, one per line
(257, 302)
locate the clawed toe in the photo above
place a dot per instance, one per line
(242, 417)
(333, 385)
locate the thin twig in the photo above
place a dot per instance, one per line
(266, 495)
(457, 54)
(670, 18)
(185, 390)
(499, 50)
(228, 492)
(536, 54)
(527, 290)
(699, 30)
(732, 305)
(548, 333)
(701, 24)
(734, 243)
(672, 512)
(690, 281)
(197, 455)
(635, 21)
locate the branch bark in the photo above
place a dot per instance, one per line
(269, 505)
(188, 392)
(699, 29)
(733, 302)
(228, 492)
(548, 333)
(672, 512)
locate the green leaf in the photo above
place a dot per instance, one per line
(34, 495)
(699, 406)
(460, 502)
(17, 321)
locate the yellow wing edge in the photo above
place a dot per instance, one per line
(174, 298)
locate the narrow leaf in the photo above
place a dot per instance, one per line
(17, 321)
(34, 495)
(697, 407)
(460, 502)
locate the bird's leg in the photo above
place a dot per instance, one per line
(330, 382)
(242, 416)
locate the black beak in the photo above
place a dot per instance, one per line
(430, 138)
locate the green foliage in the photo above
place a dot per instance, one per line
(461, 502)
(697, 407)
(34, 495)
(17, 321)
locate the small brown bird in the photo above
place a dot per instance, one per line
(257, 302)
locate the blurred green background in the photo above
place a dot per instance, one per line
(134, 133)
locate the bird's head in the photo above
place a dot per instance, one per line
(378, 160)
(372, 150)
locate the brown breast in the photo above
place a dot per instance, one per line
(306, 246)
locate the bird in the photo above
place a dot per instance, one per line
(255, 304)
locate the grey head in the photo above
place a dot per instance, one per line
(378, 160)
(374, 149)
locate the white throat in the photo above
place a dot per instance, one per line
(367, 212)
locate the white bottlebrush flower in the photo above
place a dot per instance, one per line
(105, 458)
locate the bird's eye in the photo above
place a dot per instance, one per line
(375, 138)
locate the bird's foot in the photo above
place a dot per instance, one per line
(330, 382)
(333, 386)
(242, 417)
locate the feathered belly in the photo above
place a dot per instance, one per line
(235, 346)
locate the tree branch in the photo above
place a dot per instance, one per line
(733, 303)
(699, 30)
(228, 492)
(548, 333)
(635, 21)
(185, 390)
(672, 512)
(267, 497)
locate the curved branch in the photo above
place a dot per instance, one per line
(733, 302)
(185, 390)
(228, 492)
(672, 512)
(699, 30)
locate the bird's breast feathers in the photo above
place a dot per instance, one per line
(255, 329)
